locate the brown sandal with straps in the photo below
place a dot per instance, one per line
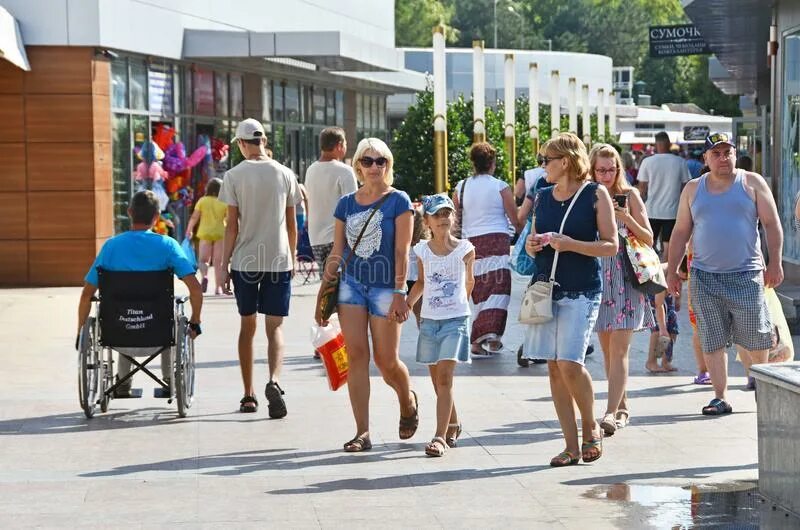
(358, 444)
(436, 447)
(409, 424)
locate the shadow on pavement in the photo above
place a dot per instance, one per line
(240, 463)
(656, 391)
(688, 473)
(409, 481)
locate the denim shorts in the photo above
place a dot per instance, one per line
(377, 300)
(265, 292)
(443, 340)
(567, 335)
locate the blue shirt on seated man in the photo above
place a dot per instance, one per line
(140, 249)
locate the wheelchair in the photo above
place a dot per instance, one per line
(135, 314)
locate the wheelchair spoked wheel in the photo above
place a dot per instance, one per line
(90, 369)
(184, 368)
(107, 377)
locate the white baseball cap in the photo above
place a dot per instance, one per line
(249, 129)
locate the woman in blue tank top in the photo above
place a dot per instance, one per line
(589, 234)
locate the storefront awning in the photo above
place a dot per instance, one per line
(327, 50)
(12, 49)
(404, 81)
(737, 31)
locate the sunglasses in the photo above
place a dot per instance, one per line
(367, 161)
(547, 159)
(608, 171)
(718, 137)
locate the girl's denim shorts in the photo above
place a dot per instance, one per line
(443, 340)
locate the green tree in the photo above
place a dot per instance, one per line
(415, 20)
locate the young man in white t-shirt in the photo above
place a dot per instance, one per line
(327, 180)
(661, 180)
(260, 247)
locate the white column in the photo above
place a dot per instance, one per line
(587, 116)
(572, 104)
(601, 114)
(612, 115)
(439, 111)
(555, 104)
(478, 93)
(533, 100)
(509, 85)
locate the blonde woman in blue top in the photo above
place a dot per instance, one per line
(444, 281)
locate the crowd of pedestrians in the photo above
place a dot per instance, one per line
(387, 259)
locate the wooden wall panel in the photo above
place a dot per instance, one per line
(59, 70)
(10, 78)
(101, 118)
(13, 263)
(61, 215)
(103, 166)
(60, 262)
(12, 118)
(103, 218)
(13, 160)
(101, 76)
(14, 213)
(65, 166)
(59, 118)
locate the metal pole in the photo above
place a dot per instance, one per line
(440, 180)
(478, 93)
(612, 115)
(601, 114)
(495, 24)
(510, 118)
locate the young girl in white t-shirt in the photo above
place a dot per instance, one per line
(445, 282)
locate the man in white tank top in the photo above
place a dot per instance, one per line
(721, 211)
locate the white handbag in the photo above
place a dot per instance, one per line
(537, 303)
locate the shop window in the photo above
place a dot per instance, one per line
(277, 102)
(330, 107)
(221, 94)
(359, 111)
(790, 154)
(339, 108)
(121, 151)
(277, 142)
(119, 83)
(237, 103)
(319, 105)
(204, 92)
(159, 89)
(188, 91)
(177, 94)
(266, 100)
(291, 95)
(138, 85)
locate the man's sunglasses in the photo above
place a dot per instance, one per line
(367, 161)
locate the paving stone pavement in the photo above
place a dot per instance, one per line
(139, 466)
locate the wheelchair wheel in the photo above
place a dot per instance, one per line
(108, 375)
(184, 368)
(90, 372)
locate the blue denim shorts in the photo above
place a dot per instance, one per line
(377, 300)
(443, 340)
(567, 335)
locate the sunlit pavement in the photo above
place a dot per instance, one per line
(140, 466)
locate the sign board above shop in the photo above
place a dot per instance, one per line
(669, 41)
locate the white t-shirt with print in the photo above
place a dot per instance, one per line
(444, 294)
(326, 183)
(483, 211)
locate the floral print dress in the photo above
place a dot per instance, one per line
(622, 306)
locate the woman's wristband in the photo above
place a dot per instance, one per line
(401, 292)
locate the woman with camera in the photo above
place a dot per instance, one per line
(623, 309)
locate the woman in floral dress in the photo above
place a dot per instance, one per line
(623, 309)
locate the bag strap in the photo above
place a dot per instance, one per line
(364, 228)
(561, 230)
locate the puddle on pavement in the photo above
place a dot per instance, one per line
(729, 505)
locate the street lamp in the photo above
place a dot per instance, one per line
(510, 10)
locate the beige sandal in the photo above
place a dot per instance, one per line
(436, 447)
(609, 424)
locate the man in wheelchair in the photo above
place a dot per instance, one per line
(127, 272)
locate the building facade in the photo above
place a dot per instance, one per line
(101, 84)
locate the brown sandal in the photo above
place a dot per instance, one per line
(358, 444)
(564, 458)
(409, 424)
(452, 441)
(596, 443)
